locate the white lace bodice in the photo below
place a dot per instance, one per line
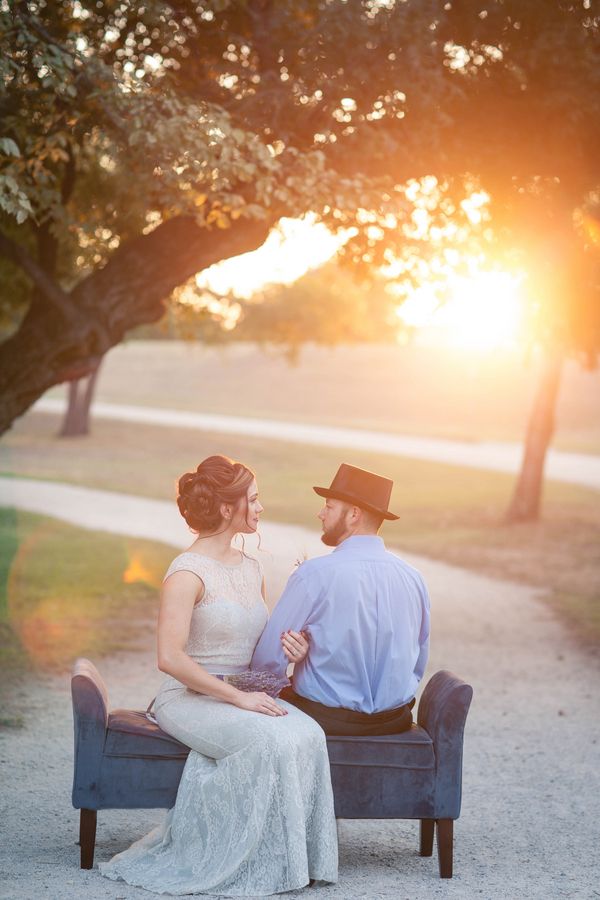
(231, 616)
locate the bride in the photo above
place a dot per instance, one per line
(254, 811)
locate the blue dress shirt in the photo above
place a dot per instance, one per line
(367, 615)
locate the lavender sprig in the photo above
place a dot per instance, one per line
(260, 680)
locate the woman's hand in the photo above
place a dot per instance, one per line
(257, 701)
(295, 645)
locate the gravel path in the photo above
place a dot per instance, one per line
(531, 802)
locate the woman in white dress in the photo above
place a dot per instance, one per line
(254, 811)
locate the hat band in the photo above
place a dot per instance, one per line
(357, 500)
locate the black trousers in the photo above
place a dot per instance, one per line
(340, 721)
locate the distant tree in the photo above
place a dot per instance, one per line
(76, 420)
(325, 306)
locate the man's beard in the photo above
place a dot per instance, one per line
(334, 534)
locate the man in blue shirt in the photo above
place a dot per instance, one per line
(366, 613)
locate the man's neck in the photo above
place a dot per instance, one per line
(361, 532)
(358, 533)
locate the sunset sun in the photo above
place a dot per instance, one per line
(483, 311)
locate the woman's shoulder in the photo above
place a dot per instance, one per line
(188, 562)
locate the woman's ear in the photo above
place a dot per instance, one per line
(226, 511)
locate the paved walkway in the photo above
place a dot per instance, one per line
(574, 468)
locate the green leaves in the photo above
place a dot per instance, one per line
(8, 147)
(117, 117)
(13, 199)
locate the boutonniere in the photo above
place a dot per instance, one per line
(300, 560)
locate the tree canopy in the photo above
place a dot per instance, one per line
(143, 142)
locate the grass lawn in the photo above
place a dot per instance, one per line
(66, 592)
(448, 513)
(426, 391)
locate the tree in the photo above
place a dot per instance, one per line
(531, 128)
(325, 306)
(76, 421)
(525, 128)
(143, 143)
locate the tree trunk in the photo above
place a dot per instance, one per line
(526, 500)
(81, 393)
(52, 347)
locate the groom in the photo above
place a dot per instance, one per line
(366, 612)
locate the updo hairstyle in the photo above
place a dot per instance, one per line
(217, 480)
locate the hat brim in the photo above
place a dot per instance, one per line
(357, 501)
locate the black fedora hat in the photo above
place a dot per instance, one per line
(362, 488)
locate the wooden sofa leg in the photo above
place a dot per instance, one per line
(445, 830)
(426, 836)
(87, 837)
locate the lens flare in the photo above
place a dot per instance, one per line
(137, 570)
(484, 311)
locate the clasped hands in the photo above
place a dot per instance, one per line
(295, 645)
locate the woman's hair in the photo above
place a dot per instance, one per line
(217, 480)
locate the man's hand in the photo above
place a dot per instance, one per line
(295, 645)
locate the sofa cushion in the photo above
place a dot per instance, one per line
(131, 733)
(412, 749)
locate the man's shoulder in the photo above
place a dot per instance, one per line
(315, 564)
(401, 563)
(316, 573)
(330, 561)
(404, 566)
(318, 569)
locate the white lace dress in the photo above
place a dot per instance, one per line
(254, 811)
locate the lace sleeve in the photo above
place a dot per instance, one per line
(186, 562)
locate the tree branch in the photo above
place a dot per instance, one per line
(68, 182)
(43, 282)
(130, 290)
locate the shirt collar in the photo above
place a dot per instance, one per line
(361, 542)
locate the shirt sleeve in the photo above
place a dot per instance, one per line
(423, 634)
(292, 611)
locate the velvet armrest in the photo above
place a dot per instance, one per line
(442, 713)
(90, 718)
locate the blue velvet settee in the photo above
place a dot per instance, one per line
(125, 761)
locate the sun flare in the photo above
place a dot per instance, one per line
(291, 249)
(484, 311)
